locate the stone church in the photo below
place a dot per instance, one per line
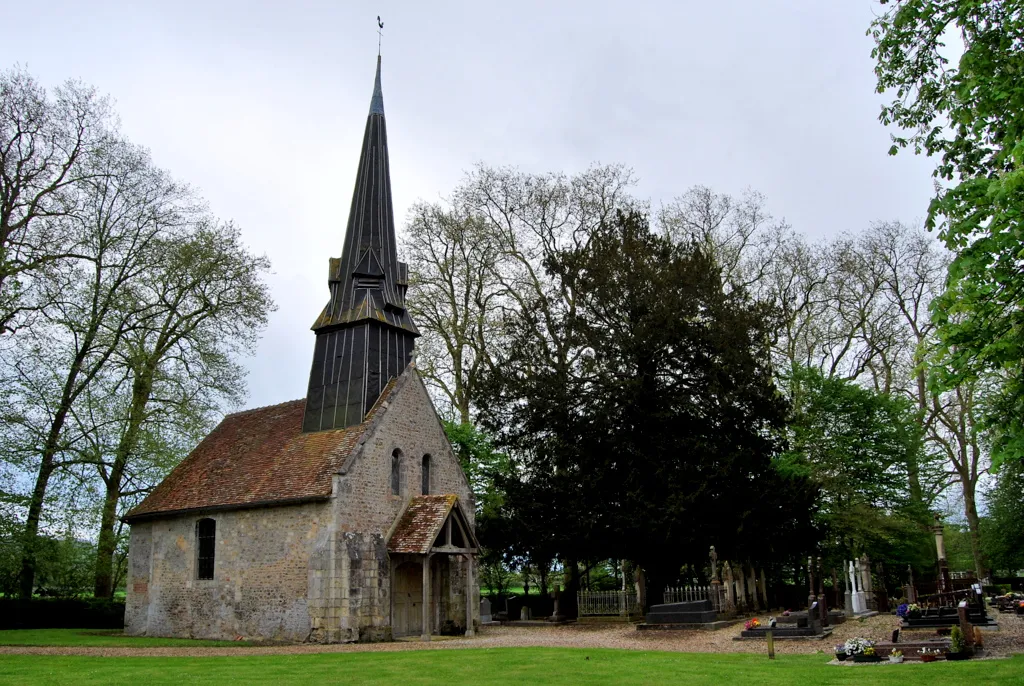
(341, 516)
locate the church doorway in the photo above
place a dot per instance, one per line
(408, 600)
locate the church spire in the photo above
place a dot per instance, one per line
(365, 334)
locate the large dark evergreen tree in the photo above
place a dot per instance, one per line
(656, 439)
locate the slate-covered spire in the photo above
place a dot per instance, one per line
(365, 335)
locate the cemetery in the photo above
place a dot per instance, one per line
(549, 419)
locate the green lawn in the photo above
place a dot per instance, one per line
(96, 637)
(499, 666)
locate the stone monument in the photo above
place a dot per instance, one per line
(858, 595)
(944, 583)
(730, 590)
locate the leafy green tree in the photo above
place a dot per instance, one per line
(655, 439)
(1003, 533)
(205, 303)
(480, 461)
(969, 115)
(857, 444)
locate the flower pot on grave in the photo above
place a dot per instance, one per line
(866, 658)
(841, 656)
(895, 659)
(929, 658)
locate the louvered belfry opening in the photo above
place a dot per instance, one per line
(365, 335)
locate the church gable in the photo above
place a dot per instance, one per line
(403, 453)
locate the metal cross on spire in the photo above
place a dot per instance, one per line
(380, 33)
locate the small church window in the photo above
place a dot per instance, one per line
(206, 535)
(426, 474)
(396, 472)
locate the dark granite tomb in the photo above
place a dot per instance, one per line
(694, 612)
(941, 617)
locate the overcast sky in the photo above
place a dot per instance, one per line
(262, 106)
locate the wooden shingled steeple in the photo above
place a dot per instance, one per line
(365, 335)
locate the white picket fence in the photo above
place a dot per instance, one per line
(686, 594)
(606, 603)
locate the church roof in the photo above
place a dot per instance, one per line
(257, 457)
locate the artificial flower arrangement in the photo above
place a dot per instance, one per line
(861, 650)
(752, 623)
(929, 654)
(858, 646)
(896, 656)
(913, 610)
(901, 610)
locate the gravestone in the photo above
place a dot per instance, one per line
(859, 605)
(524, 614)
(965, 624)
(485, 611)
(556, 613)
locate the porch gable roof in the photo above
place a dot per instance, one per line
(424, 519)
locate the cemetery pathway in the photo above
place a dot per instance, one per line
(1008, 640)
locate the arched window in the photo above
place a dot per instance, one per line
(396, 472)
(206, 543)
(425, 471)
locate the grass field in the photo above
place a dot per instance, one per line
(498, 666)
(97, 637)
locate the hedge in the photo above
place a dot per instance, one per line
(54, 613)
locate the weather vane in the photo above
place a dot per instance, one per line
(380, 33)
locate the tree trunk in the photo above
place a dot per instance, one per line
(30, 538)
(656, 581)
(47, 465)
(103, 581)
(569, 606)
(142, 388)
(971, 510)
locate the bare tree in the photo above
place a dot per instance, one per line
(481, 255)
(87, 308)
(453, 297)
(48, 142)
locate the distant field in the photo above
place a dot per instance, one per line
(499, 666)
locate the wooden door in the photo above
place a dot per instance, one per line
(407, 600)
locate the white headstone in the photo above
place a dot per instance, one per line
(859, 605)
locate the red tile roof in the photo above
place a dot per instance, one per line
(421, 523)
(254, 458)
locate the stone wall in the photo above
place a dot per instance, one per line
(365, 508)
(263, 585)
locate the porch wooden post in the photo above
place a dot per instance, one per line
(425, 633)
(469, 596)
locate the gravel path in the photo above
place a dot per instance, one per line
(1007, 640)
